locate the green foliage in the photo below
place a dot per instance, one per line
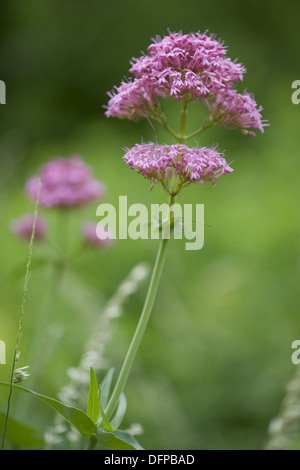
(86, 423)
(117, 440)
(106, 387)
(120, 413)
(19, 435)
(76, 417)
(93, 408)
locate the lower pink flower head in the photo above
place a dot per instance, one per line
(237, 111)
(187, 165)
(23, 227)
(64, 182)
(96, 234)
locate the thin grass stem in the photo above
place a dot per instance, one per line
(21, 318)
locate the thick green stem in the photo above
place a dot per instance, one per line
(140, 329)
(152, 290)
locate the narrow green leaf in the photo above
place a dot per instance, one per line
(93, 408)
(106, 386)
(76, 417)
(120, 413)
(103, 418)
(117, 440)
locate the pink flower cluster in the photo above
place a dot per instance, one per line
(133, 100)
(186, 67)
(96, 235)
(189, 165)
(65, 182)
(237, 111)
(23, 227)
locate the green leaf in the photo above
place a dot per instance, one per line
(18, 434)
(117, 440)
(120, 413)
(103, 419)
(93, 408)
(76, 417)
(127, 437)
(105, 387)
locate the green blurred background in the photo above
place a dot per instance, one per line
(213, 366)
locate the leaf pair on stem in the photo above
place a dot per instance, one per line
(93, 423)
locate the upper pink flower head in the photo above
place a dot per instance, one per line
(184, 66)
(65, 182)
(188, 66)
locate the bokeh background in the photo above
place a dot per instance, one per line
(216, 358)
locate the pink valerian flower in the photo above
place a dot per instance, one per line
(188, 66)
(237, 111)
(177, 162)
(23, 227)
(65, 182)
(96, 234)
(133, 100)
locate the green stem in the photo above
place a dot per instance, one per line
(91, 443)
(9, 399)
(20, 324)
(139, 332)
(183, 121)
(36, 360)
(38, 342)
(206, 125)
(168, 129)
(152, 290)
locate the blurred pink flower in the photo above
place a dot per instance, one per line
(188, 165)
(96, 234)
(23, 227)
(65, 182)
